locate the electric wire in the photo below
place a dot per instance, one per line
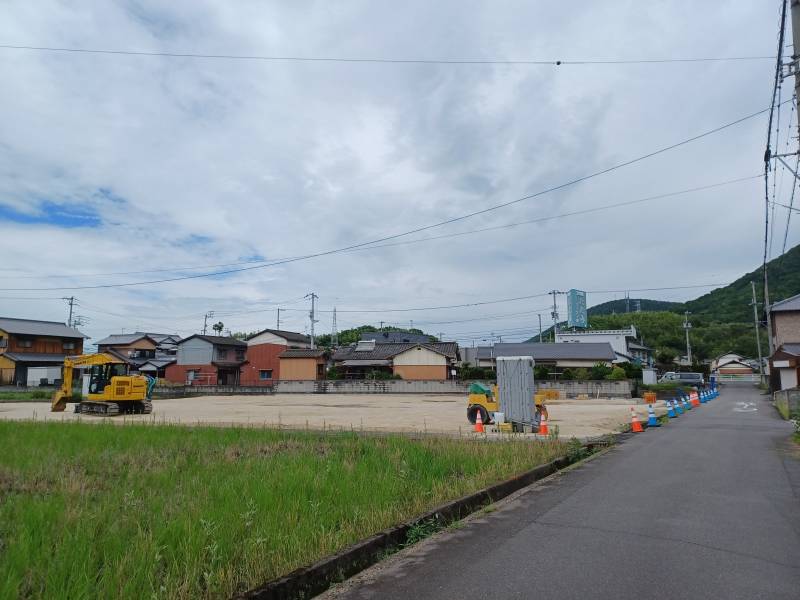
(424, 227)
(420, 61)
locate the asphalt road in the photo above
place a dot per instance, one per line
(707, 506)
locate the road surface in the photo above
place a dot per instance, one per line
(705, 507)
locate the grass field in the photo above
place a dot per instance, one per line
(154, 511)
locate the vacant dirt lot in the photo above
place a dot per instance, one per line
(399, 412)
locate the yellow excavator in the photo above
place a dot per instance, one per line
(112, 390)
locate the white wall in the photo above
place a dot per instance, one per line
(271, 338)
(419, 356)
(618, 338)
(37, 373)
(788, 378)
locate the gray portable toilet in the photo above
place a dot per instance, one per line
(515, 388)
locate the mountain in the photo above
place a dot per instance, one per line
(624, 306)
(722, 320)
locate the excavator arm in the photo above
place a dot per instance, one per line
(64, 393)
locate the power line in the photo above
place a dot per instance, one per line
(421, 228)
(415, 61)
(448, 235)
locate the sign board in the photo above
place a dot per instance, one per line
(576, 309)
(515, 389)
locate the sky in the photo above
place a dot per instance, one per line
(119, 169)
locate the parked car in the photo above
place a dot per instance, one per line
(687, 378)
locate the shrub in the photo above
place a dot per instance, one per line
(617, 374)
(600, 371)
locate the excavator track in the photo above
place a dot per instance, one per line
(106, 409)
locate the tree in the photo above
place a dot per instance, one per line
(617, 374)
(218, 327)
(600, 371)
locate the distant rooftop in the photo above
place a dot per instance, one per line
(33, 327)
(792, 303)
(395, 337)
(582, 351)
(289, 336)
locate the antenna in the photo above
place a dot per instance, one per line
(334, 331)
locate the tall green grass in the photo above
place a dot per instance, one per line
(159, 511)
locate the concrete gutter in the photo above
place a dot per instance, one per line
(314, 579)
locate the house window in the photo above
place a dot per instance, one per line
(25, 343)
(222, 354)
(3, 342)
(192, 374)
(265, 374)
(239, 355)
(69, 345)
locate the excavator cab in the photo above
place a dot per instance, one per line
(100, 376)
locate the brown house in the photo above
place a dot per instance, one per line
(413, 361)
(302, 364)
(31, 351)
(783, 367)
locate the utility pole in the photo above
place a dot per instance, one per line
(312, 316)
(334, 331)
(278, 322)
(687, 326)
(206, 317)
(540, 327)
(758, 336)
(381, 327)
(555, 314)
(71, 302)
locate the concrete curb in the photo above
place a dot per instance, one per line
(314, 579)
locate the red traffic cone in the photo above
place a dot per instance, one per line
(479, 421)
(543, 429)
(636, 426)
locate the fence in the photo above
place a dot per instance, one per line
(594, 389)
(787, 402)
(754, 378)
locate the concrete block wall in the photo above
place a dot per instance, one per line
(787, 402)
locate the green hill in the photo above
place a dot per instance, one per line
(624, 306)
(722, 320)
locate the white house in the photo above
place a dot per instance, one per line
(623, 341)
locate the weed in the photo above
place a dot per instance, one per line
(421, 530)
(576, 450)
(159, 511)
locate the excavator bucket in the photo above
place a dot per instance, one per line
(59, 402)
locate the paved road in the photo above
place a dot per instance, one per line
(705, 507)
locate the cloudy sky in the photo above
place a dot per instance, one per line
(118, 169)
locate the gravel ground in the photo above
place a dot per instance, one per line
(370, 412)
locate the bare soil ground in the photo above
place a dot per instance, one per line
(368, 412)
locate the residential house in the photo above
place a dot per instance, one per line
(263, 354)
(412, 361)
(302, 364)
(785, 367)
(208, 360)
(32, 351)
(731, 364)
(565, 355)
(149, 353)
(785, 338)
(623, 341)
(478, 356)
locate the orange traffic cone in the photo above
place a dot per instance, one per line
(695, 399)
(543, 430)
(636, 427)
(479, 421)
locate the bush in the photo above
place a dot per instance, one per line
(334, 373)
(600, 371)
(567, 375)
(617, 374)
(541, 372)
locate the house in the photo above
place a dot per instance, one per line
(785, 367)
(208, 360)
(623, 341)
(731, 364)
(302, 364)
(32, 351)
(563, 355)
(478, 356)
(263, 354)
(412, 361)
(395, 337)
(785, 321)
(785, 338)
(139, 348)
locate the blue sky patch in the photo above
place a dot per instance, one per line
(52, 213)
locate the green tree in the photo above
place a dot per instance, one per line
(600, 370)
(617, 374)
